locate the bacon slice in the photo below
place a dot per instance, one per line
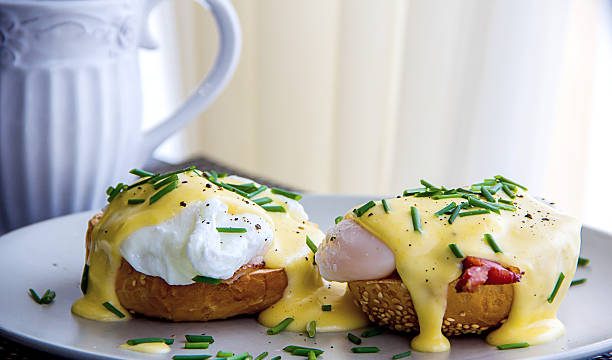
(478, 271)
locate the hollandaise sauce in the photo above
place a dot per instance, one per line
(528, 234)
(149, 203)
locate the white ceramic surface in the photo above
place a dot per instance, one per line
(50, 255)
(70, 100)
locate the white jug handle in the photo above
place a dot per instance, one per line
(230, 41)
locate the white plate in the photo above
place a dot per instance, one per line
(50, 255)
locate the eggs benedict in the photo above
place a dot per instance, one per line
(443, 261)
(196, 246)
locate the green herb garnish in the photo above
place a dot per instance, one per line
(375, 331)
(224, 354)
(191, 357)
(385, 206)
(280, 327)
(353, 338)
(363, 208)
(583, 261)
(326, 307)
(113, 309)
(165, 190)
(311, 245)
(135, 201)
(261, 356)
(149, 340)
(365, 349)
(551, 298)
(141, 173)
(491, 241)
(447, 208)
(513, 346)
(274, 208)
(234, 230)
(85, 279)
(311, 328)
(474, 212)
(285, 193)
(416, 219)
(262, 201)
(405, 354)
(455, 249)
(338, 219)
(197, 345)
(578, 282)
(200, 338)
(261, 189)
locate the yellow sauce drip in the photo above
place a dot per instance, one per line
(149, 348)
(305, 293)
(541, 246)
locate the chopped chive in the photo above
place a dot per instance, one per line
(493, 190)
(262, 201)
(507, 202)
(455, 213)
(109, 190)
(474, 212)
(326, 307)
(120, 187)
(487, 194)
(405, 354)
(191, 357)
(311, 245)
(274, 208)
(305, 351)
(149, 340)
(261, 189)
(428, 185)
(416, 219)
(261, 356)
(280, 326)
(276, 358)
(506, 180)
(505, 207)
(385, 206)
(224, 354)
(159, 177)
(551, 298)
(34, 296)
(141, 173)
(375, 331)
(243, 356)
(455, 249)
(338, 219)
(365, 349)
(482, 204)
(113, 309)
(491, 241)
(138, 183)
(446, 196)
(508, 192)
(199, 338)
(363, 208)
(165, 190)
(429, 193)
(85, 279)
(247, 188)
(513, 346)
(285, 193)
(232, 188)
(410, 192)
(447, 208)
(312, 355)
(47, 297)
(583, 261)
(206, 280)
(197, 345)
(578, 282)
(311, 328)
(486, 182)
(135, 201)
(353, 338)
(165, 181)
(234, 230)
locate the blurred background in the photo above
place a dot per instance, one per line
(367, 96)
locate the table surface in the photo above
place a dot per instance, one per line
(11, 350)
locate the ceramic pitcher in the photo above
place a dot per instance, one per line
(70, 100)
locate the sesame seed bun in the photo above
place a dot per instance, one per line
(387, 302)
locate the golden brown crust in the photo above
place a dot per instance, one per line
(250, 291)
(387, 302)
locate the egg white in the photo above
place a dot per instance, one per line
(189, 244)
